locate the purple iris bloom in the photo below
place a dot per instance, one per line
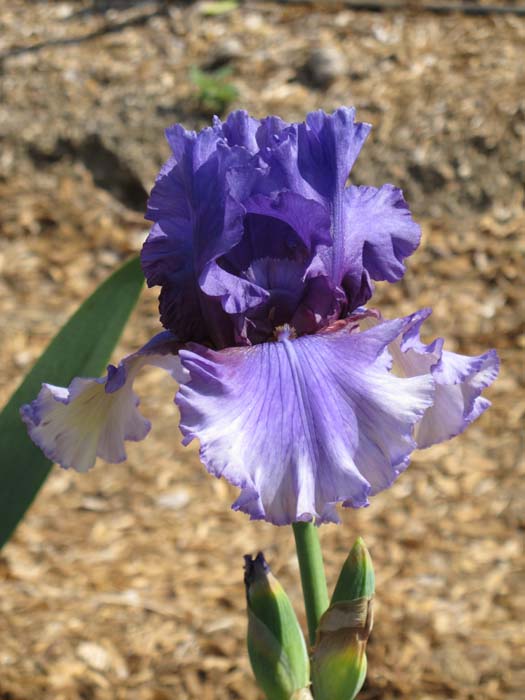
(265, 256)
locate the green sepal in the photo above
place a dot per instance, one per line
(276, 644)
(81, 347)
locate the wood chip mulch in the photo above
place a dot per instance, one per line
(126, 583)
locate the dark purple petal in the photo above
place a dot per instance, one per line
(300, 425)
(314, 159)
(309, 221)
(270, 132)
(279, 149)
(247, 190)
(283, 280)
(192, 149)
(320, 304)
(93, 417)
(166, 259)
(218, 187)
(196, 220)
(328, 146)
(284, 227)
(167, 254)
(236, 294)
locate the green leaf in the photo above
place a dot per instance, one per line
(218, 7)
(214, 92)
(82, 347)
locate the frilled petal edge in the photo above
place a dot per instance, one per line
(459, 381)
(300, 425)
(93, 417)
(379, 220)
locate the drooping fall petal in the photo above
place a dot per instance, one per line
(302, 424)
(93, 417)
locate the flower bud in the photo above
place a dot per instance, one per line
(339, 660)
(276, 643)
(356, 579)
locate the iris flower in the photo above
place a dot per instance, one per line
(299, 394)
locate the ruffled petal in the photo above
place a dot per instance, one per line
(196, 219)
(190, 149)
(285, 226)
(167, 253)
(381, 220)
(246, 190)
(240, 129)
(314, 159)
(328, 148)
(93, 417)
(300, 425)
(372, 230)
(459, 381)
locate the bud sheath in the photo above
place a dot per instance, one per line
(339, 659)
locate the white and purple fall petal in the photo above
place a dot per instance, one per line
(93, 417)
(303, 424)
(459, 381)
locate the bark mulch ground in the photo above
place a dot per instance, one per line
(126, 583)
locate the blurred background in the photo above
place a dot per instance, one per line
(127, 583)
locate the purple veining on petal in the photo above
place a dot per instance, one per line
(300, 425)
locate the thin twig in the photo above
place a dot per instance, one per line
(108, 28)
(436, 8)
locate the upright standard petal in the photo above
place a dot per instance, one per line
(381, 220)
(285, 228)
(93, 417)
(167, 254)
(300, 425)
(459, 381)
(197, 219)
(372, 231)
(240, 129)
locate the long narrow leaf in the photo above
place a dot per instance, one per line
(82, 347)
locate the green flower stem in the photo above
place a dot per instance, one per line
(313, 578)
